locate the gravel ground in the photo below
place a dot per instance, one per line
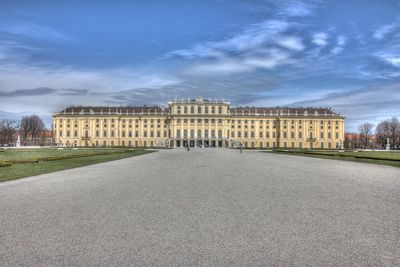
(209, 207)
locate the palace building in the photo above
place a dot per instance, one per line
(199, 123)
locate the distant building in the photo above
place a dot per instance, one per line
(199, 123)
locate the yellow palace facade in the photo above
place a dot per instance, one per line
(199, 123)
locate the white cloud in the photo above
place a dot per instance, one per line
(337, 50)
(341, 40)
(263, 59)
(291, 42)
(67, 77)
(390, 58)
(296, 9)
(255, 36)
(252, 49)
(222, 66)
(99, 83)
(384, 30)
(340, 43)
(360, 105)
(33, 30)
(320, 38)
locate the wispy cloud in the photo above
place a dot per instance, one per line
(390, 58)
(252, 49)
(296, 8)
(99, 79)
(261, 59)
(32, 30)
(254, 36)
(340, 43)
(385, 30)
(320, 38)
(359, 105)
(27, 92)
(291, 42)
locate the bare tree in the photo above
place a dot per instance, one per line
(8, 130)
(382, 132)
(394, 132)
(31, 127)
(365, 130)
(388, 129)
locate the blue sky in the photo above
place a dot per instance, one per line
(339, 54)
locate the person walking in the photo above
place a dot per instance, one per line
(241, 148)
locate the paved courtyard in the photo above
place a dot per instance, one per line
(210, 207)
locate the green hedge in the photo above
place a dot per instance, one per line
(36, 160)
(334, 155)
(375, 158)
(81, 155)
(5, 164)
(24, 161)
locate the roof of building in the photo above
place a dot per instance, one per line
(284, 111)
(271, 111)
(114, 110)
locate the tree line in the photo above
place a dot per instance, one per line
(368, 138)
(31, 130)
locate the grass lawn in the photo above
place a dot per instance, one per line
(19, 170)
(375, 157)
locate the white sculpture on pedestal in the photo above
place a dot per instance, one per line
(18, 143)
(387, 144)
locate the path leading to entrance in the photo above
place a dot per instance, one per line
(204, 207)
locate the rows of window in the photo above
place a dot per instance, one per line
(106, 134)
(199, 109)
(128, 123)
(191, 133)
